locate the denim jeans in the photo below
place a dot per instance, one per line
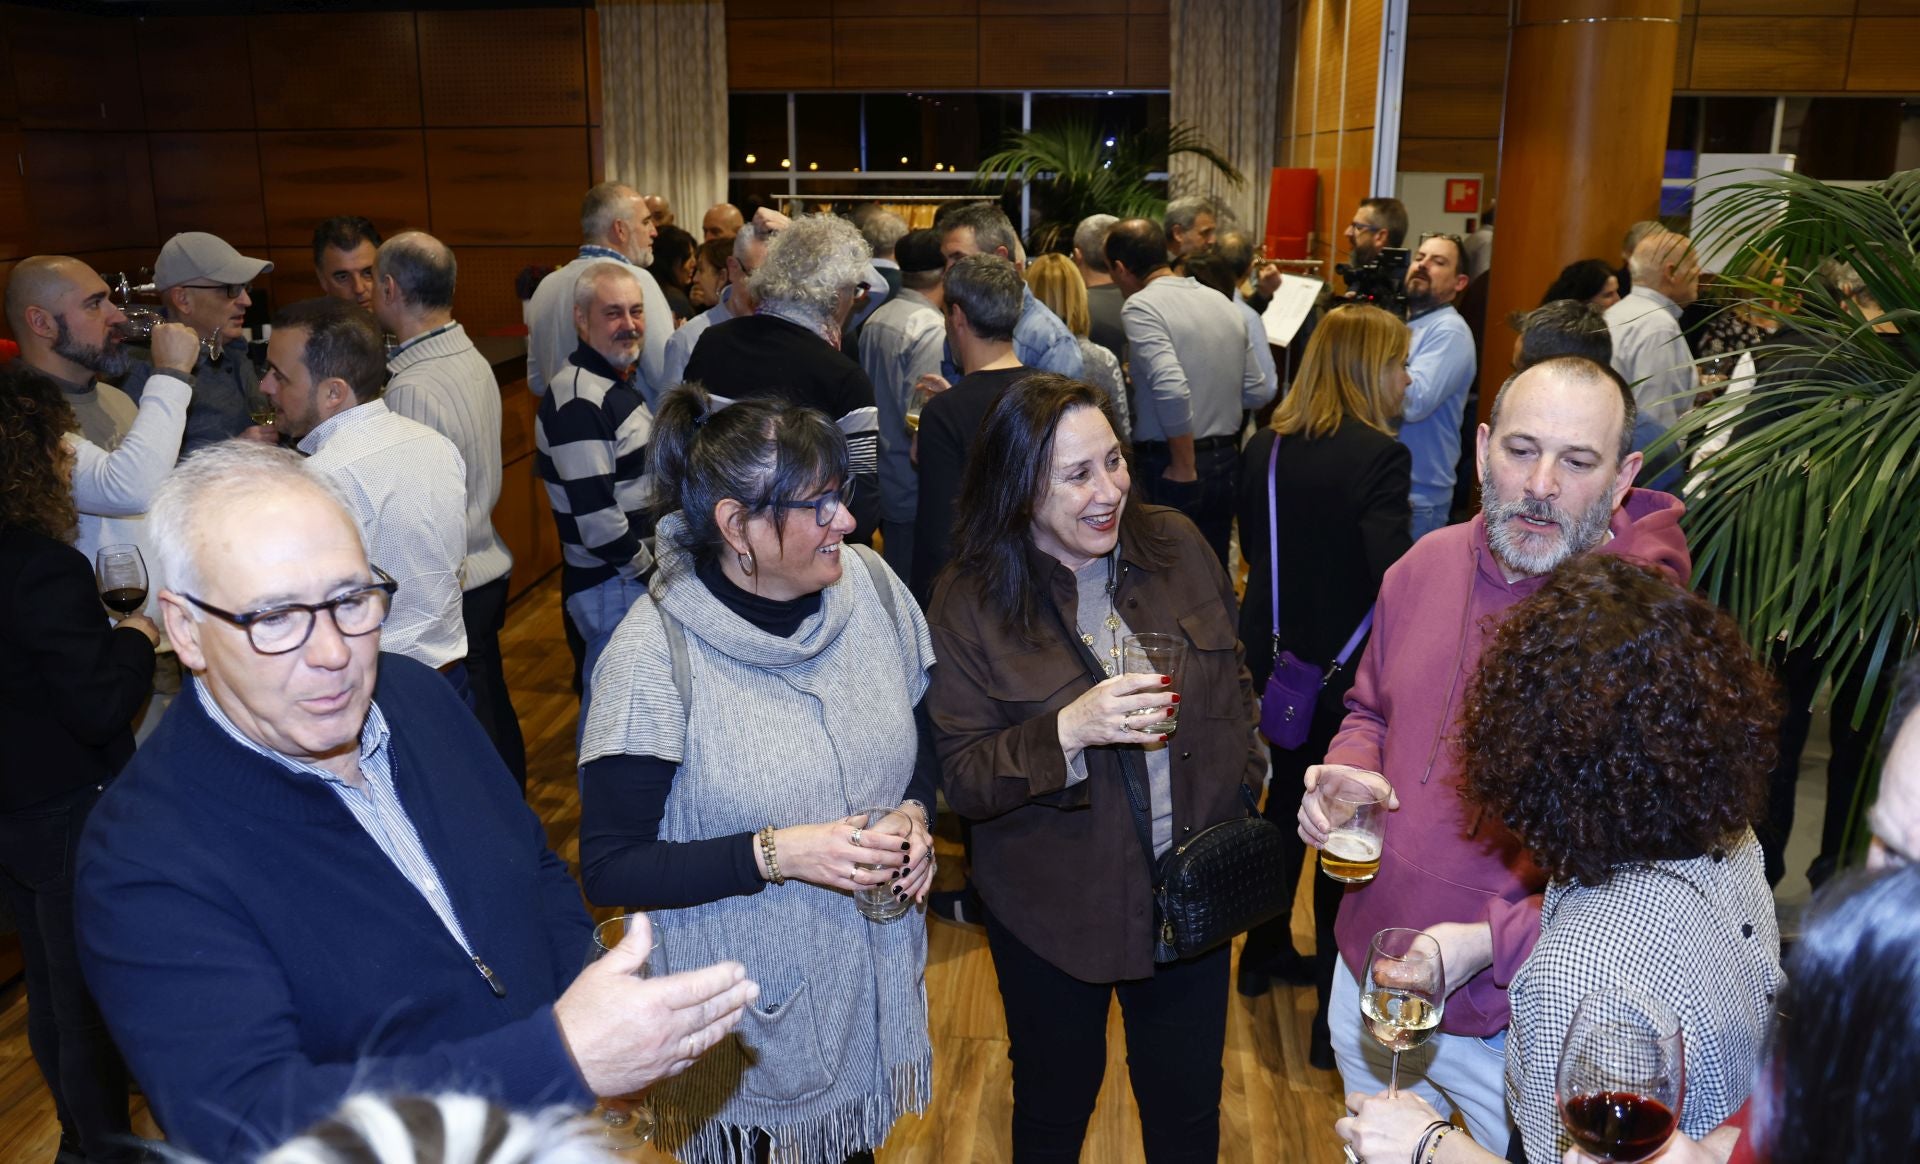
(1208, 501)
(597, 611)
(1427, 518)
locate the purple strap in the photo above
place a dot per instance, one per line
(1273, 567)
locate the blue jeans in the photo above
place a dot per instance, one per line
(597, 611)
(1427, 518)
(1208, 501)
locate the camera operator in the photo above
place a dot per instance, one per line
(1377, 272)
(1378, 223)
(1442, 365)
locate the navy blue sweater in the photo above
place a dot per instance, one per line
(258, 957)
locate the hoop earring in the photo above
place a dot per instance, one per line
(746, 563)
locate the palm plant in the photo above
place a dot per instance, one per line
(1073, 172)
(1806, 525)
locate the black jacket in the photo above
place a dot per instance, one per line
(70, 683)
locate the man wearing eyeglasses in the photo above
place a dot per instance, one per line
(1442, 363)
(318, 878)
(404, 482)
(207, 285)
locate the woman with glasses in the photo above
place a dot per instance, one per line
(1038, 724)
(762, 692)
(70, 686)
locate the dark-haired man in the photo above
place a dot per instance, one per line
(981, 297)
(438, 378)
(405, 482)
(343, 254)
(1442, 362)
(1194, 369)
(1556, 472)
(1040, 339)
(1376, 223)
(1563, 327)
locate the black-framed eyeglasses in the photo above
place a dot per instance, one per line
(279, 629)
(825, 507)
(230, 290)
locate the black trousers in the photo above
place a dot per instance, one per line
(1852, 751)
(1208, 501)
(485, 610)
(68, 1038)
(1176, 1025)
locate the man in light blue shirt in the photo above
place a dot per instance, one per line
(1442, 363)
(1649, 350)
(1039, 339)
(902, 342)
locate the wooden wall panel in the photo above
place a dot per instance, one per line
(1448, 155)
(1363, 66)
(292, 278)
(511, 67)
(1777, 55)
(1329, 81)
(1014, 49)
(1136, 7)
(211, 182)
(780, 54)
(856, 9)
(310, 175)
(1683, 55)
(1074, 8)
(592, 54)
(16, 233)
(1149, 61)
(1888, 8)
(1775, 7)
(9, 108)
(89, 191)
(73, 71)
(1462, 99)
(1886, 55)
(299, 86)
(484, 299)
(178, 91)
(498, 186)
(892, 52)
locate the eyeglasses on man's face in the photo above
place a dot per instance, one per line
(275, 630)
(825, 507)
(230, 290)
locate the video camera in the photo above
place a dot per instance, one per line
(1382, 282)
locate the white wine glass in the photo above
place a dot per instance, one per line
(627, 1122)
(121, 574)
(1405, 993)
(1621, 1076)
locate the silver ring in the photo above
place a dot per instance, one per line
(856, 836)
(690, 1046)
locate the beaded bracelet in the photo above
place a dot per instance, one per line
(1433, 1147)
(773, 860)
(1426, 1139)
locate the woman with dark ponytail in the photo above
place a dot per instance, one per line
(764, 691)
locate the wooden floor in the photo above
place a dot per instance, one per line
(1275, 1108)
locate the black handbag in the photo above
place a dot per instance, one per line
(1223, 881)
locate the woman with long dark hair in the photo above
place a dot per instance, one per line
(759, 695)
(1338, 482)
(1055, 564)
(71, 684)
(1587, 280)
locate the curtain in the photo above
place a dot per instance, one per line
(663, 74)
(1225, 81)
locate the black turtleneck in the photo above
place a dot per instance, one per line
(623, 799)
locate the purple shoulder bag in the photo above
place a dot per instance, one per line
(1286, 707)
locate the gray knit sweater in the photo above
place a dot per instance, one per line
(781, 731)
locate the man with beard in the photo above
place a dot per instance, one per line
(592, 431)
(62, 318)
(1556, 466)
(207, 285)
(1442, 364)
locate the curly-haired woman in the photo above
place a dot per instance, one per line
(70, 685)
(1621, 727)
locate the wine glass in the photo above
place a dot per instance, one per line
(260, 409)
(1405, 993)
(626, 1122)
(122, 576)
(1622, 1071)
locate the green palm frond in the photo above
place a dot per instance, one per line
(1073, 173)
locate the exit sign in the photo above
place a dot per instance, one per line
(1463, 196)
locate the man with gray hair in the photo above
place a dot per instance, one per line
(437, 378)
(1649, 349)
(590, 438)
(1103, 298)
(1190, 224)
(903, 343)
(404, 482)
(615, 226)
(1041, 340)
(789, 347)
(316, 876)
(982, 296)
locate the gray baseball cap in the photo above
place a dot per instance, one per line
(195, 256)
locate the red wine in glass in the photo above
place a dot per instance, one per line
(1618, 1125)
(124, 599)
(122, 577)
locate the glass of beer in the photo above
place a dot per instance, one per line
(1357, 812)
(627, 1122)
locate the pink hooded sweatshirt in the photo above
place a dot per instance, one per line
(1437, 606)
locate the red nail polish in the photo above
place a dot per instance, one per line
(1176, 697)
(1166, 680)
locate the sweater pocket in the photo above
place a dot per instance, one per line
(784, 1044)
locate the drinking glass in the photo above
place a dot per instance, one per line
(879, 903)
(916, 401)
(1357, 815)
(1622, 1070)
(260, 409)
(626, 1122)
(1151, 654)
(1404, 994)
(121, 574)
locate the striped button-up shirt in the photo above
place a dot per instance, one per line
(442, 381)
(375, 806)
(406, 485)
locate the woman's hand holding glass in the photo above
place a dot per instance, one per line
(1103, 712)
(841, 854)
(1384, 1129)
